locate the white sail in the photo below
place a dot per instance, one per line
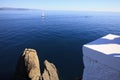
(43, 14)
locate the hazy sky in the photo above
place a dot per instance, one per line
(86, 5)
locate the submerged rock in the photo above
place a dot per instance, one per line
(50, 71)
(28, 67)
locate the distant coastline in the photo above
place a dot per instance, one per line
(9, 8)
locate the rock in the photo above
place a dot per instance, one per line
(28, 67)
(50, 71)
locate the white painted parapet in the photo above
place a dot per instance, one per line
(102, 58)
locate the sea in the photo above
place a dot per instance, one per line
(57, 37)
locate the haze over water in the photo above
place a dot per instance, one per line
(58, 37)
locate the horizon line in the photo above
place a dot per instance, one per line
(59, 9)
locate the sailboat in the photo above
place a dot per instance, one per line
(43, 14)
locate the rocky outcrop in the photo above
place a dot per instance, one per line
(50, 71)
(28, 67)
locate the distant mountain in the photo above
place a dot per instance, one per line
(8, 8)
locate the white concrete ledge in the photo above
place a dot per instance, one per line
(104, 51)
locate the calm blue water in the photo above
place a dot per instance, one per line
(58, 37)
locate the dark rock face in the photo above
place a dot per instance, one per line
(78, 78)
(28, 68)
(50, 71)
